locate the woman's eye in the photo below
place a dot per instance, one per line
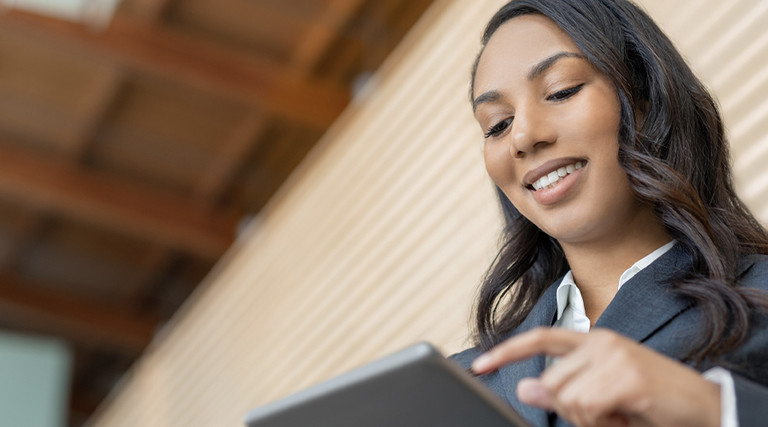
(499, 127)
(565, 93)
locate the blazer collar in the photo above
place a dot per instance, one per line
(542, 314)
(646, 302)
(642, 306)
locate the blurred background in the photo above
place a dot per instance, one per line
(136, 136)
(207, 205)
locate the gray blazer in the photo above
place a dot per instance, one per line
(645, 310)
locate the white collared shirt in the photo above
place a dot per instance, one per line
(572, 315)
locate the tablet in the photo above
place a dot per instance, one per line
(416, 386)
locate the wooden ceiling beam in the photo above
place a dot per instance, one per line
(321, 34)
(155, 263)
(151, 11)
(21, 233)
(48, 312)
(219, 175)
(101, 99)
(160, 217)
(212, 184)
(200, 63)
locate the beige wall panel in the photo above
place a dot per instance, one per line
(381, 237)
(726, 43)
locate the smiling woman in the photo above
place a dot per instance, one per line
(551, 110)
(622, 227)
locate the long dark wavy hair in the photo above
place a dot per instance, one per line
(677, 160)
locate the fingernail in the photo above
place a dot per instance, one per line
(481, 363)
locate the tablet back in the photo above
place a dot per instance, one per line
(413, 387)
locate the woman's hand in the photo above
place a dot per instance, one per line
(605, 379)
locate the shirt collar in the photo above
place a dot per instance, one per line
(564, 294)
(568, 293)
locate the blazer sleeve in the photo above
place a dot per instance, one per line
(751, 402)
(492, 381)
(751, 384)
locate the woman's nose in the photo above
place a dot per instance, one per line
(530, 130)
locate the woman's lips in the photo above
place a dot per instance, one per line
(546, 168)
(552, 178)
(556, 191)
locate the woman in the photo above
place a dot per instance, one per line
(622, 227)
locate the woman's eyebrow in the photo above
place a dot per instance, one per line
(536, 70)
(489, 96)
(545, 64)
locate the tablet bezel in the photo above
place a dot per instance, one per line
(415, 386)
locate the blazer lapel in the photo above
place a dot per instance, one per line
(641, 307)
(646, 303)
(543, 314)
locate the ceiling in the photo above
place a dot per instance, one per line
(130, 153)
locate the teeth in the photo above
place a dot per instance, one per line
(551, 179)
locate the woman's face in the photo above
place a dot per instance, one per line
(551, 122)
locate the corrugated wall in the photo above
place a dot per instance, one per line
(381, 237)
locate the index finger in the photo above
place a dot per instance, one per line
(550, 341)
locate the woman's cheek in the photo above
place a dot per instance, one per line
(498, 164)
